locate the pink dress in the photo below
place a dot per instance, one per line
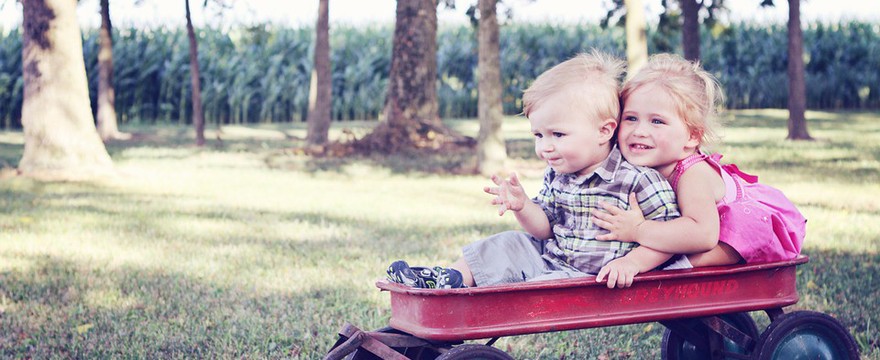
(757, 220)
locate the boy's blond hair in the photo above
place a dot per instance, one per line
(696, 93)
(591, 79)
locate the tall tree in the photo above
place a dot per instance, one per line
(797, 90)
(59, 130)
(106, 116)
(636, 36)
(690, 30)
(491, 149)
(411, 116)
(198, 116)
(321, 90)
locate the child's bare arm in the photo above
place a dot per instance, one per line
(534, 221)
(510, 195)
(621, 271)
(695, 231)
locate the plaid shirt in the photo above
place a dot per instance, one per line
(568, 200)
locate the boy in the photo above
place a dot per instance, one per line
(573, 110)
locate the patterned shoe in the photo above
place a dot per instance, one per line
(400, 272)
(427, 275)
(448, 278)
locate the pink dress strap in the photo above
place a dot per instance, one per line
(683, 165)
(732, 187)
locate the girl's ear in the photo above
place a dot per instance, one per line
(695, 139)
(606, 129)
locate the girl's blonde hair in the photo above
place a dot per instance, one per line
(590, 79)
(696, 93)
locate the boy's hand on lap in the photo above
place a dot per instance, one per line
(622, 225)
(619, 272)
(509, 194)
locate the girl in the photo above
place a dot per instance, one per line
(669, 113)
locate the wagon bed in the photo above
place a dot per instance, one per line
(705, 311)
(524, 308)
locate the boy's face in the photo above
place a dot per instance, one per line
(651, 131)
(567, 136)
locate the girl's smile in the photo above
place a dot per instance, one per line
(651, 131)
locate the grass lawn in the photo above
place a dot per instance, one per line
(244, 249)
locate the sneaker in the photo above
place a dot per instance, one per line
(401, 273)
(423, 277)
(428, 276)
(448, 278)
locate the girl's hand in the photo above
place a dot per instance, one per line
(509, 194)
(622, 225)
(620, 272)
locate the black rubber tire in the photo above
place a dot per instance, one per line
(806, 335)
(675, 347)
(474, 351)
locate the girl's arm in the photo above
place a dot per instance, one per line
(621, 271)
(695, 231)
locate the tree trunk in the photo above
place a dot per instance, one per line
(321, 90)
(491, 150)
(636, 36)
(60, 135)
(690, 31)
(411, 115)
(106, 117)
(797, 91)
(194, 74)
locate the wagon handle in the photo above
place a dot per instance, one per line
(340, 350)
(356, 338)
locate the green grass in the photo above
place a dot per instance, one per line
(246, 250)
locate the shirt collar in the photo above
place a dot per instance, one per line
(605, 171)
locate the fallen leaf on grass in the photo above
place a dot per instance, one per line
(84, 328)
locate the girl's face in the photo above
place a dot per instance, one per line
(652, 132)
(567, 139)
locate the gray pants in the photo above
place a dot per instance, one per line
(514, 256)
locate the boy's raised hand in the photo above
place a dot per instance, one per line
(622, 225)
(509, 194)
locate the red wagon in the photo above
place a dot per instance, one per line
(705, 311)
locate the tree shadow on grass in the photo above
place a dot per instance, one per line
(845, 285)
(85, 309)
(462, 161)
(90, 308)
(129, 216)
(87, 305)
(61, 308)
(10, 154)
(847, 161)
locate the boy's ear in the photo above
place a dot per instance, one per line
(606, 129)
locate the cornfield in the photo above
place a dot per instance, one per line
(261, 73)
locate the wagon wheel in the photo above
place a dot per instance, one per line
(474, 351)
(808, 335)
(414, 353)
(676, 347)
